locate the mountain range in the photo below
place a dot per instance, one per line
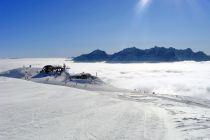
(133, 54)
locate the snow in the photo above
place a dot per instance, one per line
(178, 109)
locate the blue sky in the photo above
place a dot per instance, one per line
(60, 28)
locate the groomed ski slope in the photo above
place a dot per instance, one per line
(32, 110)
(39, 111)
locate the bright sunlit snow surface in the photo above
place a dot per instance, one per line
(163, 101)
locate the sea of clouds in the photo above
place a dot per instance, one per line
(178, 78)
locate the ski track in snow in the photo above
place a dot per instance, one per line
(51, 112)
(48, 112)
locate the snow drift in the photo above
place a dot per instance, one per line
(65, 78)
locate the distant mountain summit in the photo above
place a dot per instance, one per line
(137, 55)
(156, 54)
(95, 56)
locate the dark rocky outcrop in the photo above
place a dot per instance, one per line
(156, 54)
(95, 56)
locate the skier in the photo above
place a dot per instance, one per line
(26, 75)
(64, 66)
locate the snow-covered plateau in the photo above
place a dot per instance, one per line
(138, 101)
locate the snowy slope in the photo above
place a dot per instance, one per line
(66, 78)
(39, 111)
(32, 110)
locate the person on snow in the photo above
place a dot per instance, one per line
(64, 66)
